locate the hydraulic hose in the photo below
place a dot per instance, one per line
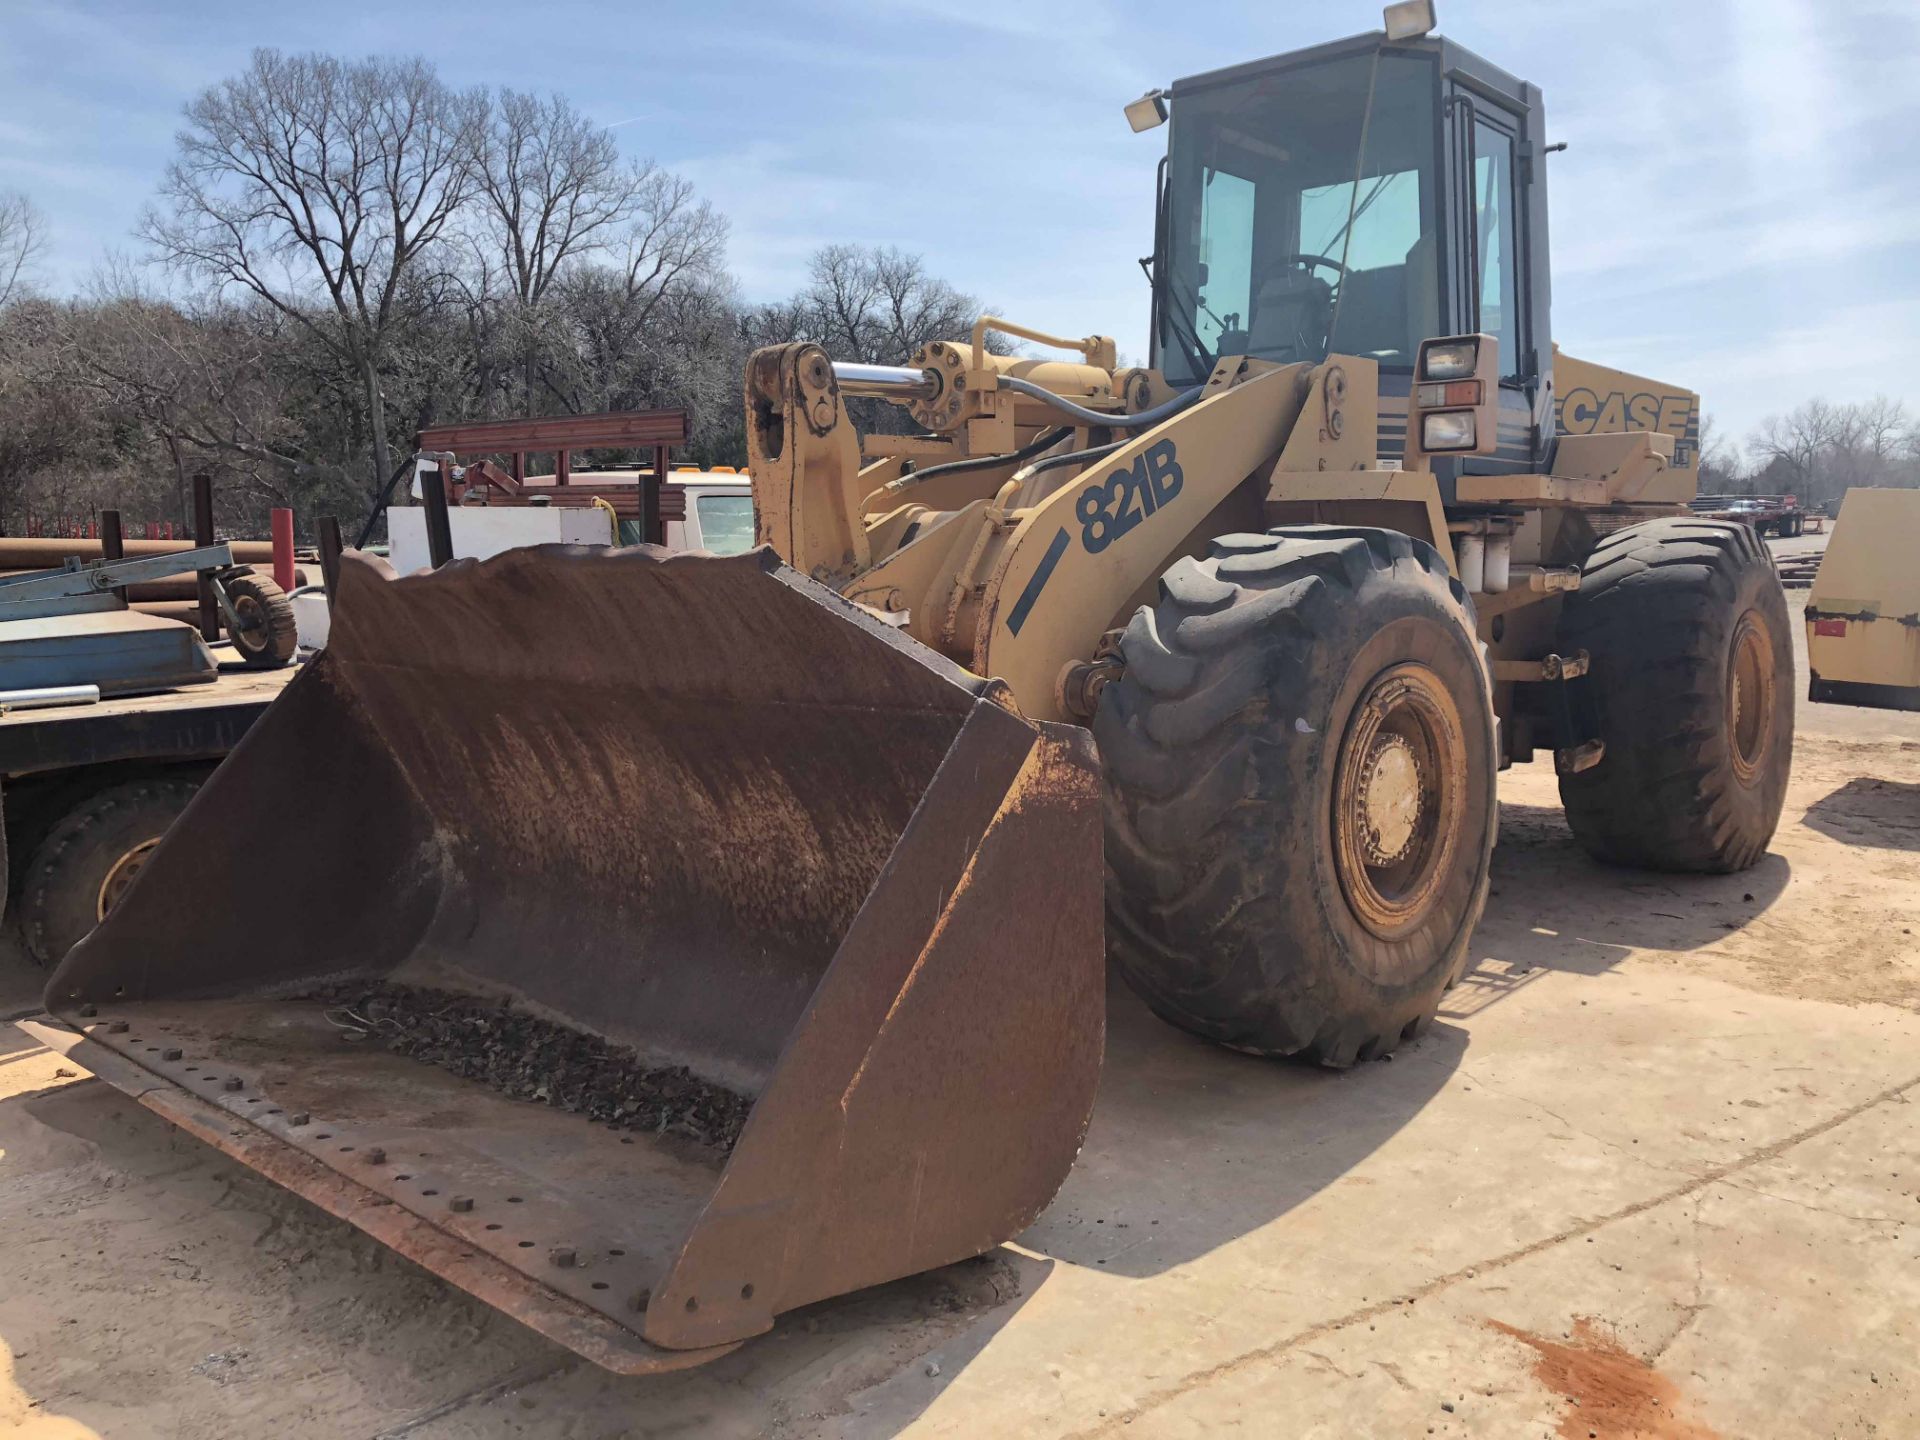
(1049, 438)
(1071, 457)
(1143, 420)
(1041, 443)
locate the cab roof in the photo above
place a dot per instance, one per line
(1454, 60)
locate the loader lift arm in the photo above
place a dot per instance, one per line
(1038, 561)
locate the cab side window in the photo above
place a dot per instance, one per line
(1496, 280)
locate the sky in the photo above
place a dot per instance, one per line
(1738, 208)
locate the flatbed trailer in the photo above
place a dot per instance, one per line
(86, 792)
(1780, 514)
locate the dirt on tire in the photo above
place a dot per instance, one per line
(1228, 910)
(1666, 609)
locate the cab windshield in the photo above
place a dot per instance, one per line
(1284, 241)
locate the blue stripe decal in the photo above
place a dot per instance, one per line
(1038, 583)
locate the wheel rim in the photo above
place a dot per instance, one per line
(121, 876)
(1399, 799)
(1750, 689)
(253, 622)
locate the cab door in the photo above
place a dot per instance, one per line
(1491, 210)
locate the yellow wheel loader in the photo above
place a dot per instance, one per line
(776, 881)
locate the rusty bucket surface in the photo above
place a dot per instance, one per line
(696, 817)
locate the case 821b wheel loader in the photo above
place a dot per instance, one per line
(1309, 578)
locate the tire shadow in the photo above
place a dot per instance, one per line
(1878, 814)
(1193, 1146)
(1553, 908)
(21, 980)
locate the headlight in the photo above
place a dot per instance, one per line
(1452, 361)
(1447, 430)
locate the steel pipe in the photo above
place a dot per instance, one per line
(21, 552)
(42, 697)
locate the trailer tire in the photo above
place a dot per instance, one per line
(91, 854)
(1692, 684)
(270, 637)
(1299, 763)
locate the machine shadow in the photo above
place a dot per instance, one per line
(16, 1043)
(1877, 814)
(1193, 1146)
(1553, 908)
(21, 981)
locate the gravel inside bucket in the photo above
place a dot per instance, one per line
(529, 1058)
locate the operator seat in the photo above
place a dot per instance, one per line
(1370, 317)
(1289, 316)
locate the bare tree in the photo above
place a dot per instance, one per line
(1821, 449)
(321, 187)
(841, 301)
(553, 187)
(623, 317)
(23, 233)
(1793, 446)
(676, 242)
(1719, 460)
(556, 197)
(878, 305)
(210, 383)
(42, 420)
(1870, 444)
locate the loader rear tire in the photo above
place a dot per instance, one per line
(92, 854)
(1692, 681)
(1299, 761)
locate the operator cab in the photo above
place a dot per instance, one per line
(1358, 198)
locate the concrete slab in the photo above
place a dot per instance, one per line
(1653, 1173)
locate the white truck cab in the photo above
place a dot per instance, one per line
(717, 510)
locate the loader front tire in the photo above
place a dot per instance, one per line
(1299, 761)
(1692, 682)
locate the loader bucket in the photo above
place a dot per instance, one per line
(551, 869)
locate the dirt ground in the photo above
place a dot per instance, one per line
(1655, 1173)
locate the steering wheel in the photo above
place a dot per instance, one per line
(1310, 262)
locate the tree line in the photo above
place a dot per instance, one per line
(1817, 451)
(342, 252)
